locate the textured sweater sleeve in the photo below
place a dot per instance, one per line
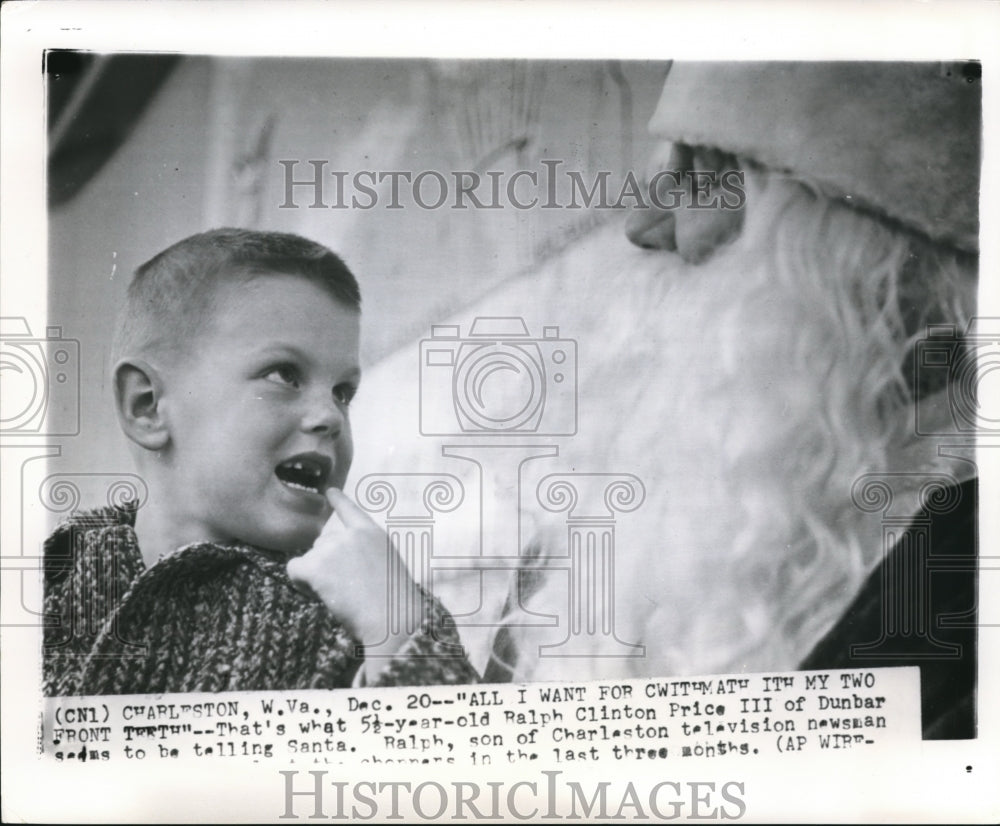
(87, 568)
(433, 655)
(209, 618)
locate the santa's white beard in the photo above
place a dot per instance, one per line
(747, 394)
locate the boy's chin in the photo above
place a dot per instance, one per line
(293, 542)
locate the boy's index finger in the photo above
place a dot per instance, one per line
(349, 513)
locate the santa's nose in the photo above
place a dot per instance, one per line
(655, 227)
(652, 229)
(696, 202)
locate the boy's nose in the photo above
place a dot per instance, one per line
(323, 415)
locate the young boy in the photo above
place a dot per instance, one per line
(248, 568)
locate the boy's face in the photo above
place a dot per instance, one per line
(258, 415)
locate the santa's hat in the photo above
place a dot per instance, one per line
(901, 139)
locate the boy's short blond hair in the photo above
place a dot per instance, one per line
(172, 296)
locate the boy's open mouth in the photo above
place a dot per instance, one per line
(306, 471)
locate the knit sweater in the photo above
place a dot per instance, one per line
(206, 618)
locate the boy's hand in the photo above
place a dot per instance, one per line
(348, 568)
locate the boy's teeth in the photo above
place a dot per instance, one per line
(306, 473)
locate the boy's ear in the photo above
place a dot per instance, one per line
(138, 389)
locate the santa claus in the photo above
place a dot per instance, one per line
(792, 376)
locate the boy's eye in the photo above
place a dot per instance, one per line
(283, 374)
(344, 393)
